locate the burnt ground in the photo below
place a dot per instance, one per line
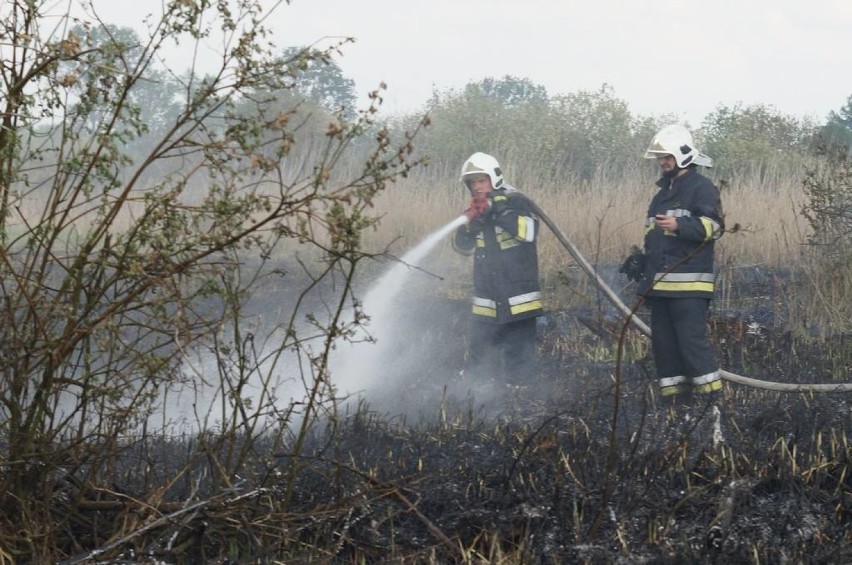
(581, 465)
(584, 465)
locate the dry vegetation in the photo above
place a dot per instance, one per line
(604, 217)
(438, 470)
(575, 468)
(221, 245)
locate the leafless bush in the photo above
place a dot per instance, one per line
(130, 244)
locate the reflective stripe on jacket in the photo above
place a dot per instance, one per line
(505, 265)
(680, 263)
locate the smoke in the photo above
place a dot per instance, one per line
(371, 366)
(366, 364)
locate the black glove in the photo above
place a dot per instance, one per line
(634, 264)
(499, 205)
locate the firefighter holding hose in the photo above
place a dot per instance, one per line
(675, 271)
(501, 234)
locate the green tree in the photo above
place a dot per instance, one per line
(316, 76)
(838, 127)
(509, 91)
(597, 132)
(581, 135)
(463, 122)
(753, 138)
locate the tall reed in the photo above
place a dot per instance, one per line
(604, 216)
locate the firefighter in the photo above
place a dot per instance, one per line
(675, 274)
(502, 236)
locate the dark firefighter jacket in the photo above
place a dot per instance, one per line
(505, 265)
(680, 264)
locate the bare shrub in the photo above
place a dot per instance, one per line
(828, 188)
(828, 209)
(130, 244)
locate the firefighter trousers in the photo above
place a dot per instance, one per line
(683, 355)
(506, 352)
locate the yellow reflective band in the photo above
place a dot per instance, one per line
(685, 286)
(480, 242)
(527, 307)
(505, 239)
(484, 311)
(709, 387)
(670, 390)
(526, 229)
(709, 228)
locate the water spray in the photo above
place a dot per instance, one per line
(358, 366)
(378, 298)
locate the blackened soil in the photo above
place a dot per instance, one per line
(585, 465)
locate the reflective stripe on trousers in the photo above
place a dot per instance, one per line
(682, 352)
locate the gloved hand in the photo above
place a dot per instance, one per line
(499, 205)
(479, 205)
(634, 264)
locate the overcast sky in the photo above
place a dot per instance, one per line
(666, 56)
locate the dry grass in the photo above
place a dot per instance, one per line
(603, 218)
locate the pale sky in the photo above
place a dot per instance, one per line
(665, 56)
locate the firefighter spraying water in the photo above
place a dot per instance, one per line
(502, 237)
(500, 230)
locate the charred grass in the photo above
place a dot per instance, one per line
(583, 465)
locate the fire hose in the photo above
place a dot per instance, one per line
(642, 327)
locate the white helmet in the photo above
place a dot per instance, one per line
(482, 163)
(675, 140)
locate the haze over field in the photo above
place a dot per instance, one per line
(662, 57)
